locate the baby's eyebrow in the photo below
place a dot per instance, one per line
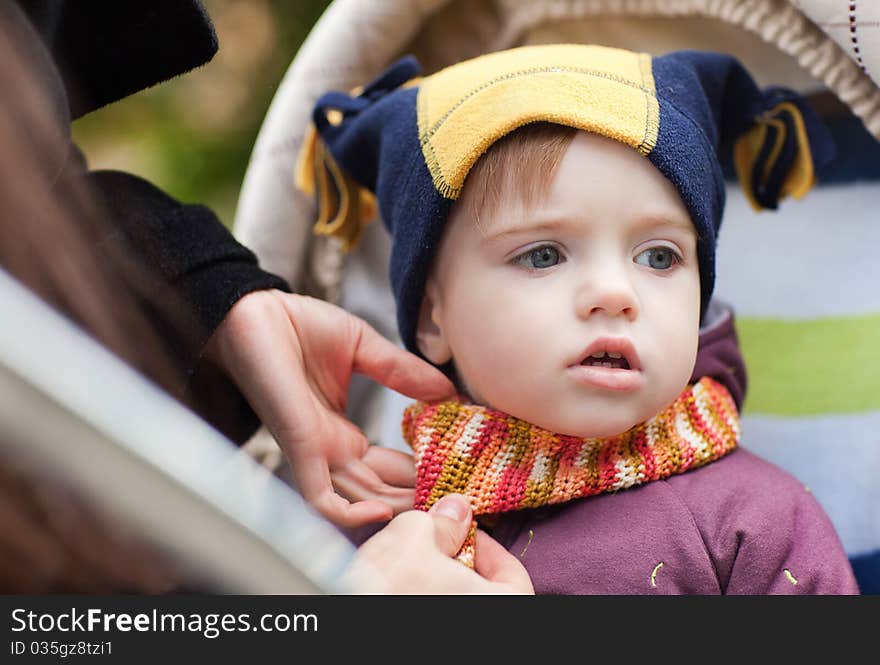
(551, 226)
(545, 226)
(662, 221)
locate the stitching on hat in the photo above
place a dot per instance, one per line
(431, 160)
(446, 190)
(450, 192)
(527, 72)
(652, 121)
(642, 148)
(706, 142)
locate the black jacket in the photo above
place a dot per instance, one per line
(97, 52)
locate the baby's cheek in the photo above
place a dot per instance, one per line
(502, 343)
(497, 371)
(687, 355)
(676, 366)
(516, 383)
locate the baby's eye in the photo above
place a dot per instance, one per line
(658, 258)
(540, 258)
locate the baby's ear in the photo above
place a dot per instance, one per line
(429, 333)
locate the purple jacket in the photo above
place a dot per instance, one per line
(736, 526)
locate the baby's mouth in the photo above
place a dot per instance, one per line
(609, 363)
(614, 353)
(612, 360)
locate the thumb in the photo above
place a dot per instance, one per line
(496, 564)
(452, 516)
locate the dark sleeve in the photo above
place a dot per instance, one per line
(186, 248)
(109, 49)
(185, 244)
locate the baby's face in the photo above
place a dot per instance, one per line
(581, 313)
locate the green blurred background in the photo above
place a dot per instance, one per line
(193, 136)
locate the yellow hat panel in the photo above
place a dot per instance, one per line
(464, 109)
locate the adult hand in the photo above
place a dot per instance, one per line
(413, 555)
(292, 357)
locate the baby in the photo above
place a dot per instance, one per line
(554, 213)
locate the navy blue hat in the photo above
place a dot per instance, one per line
(412, 141)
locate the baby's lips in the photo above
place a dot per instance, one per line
(621, 346)
(607, 378)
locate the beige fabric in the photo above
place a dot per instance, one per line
(658, 35)
(854, 26)
(757, 31)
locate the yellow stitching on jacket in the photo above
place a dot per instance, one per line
(531, 535)
(654, 574)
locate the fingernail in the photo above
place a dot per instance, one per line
(453, 506)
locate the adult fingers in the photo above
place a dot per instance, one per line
(312, 477)
(452, 517)
(392, 466)
(396, 368)
(496, 564)
(357, 482)
(350, 515)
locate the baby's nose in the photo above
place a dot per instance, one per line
(611, 294)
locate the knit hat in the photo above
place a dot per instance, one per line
(411, 142)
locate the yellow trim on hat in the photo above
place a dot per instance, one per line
(464, 109)
(344, 206)
(801, 176)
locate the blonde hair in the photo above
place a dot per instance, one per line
(520, 164)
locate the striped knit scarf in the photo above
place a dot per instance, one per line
(504, 464)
